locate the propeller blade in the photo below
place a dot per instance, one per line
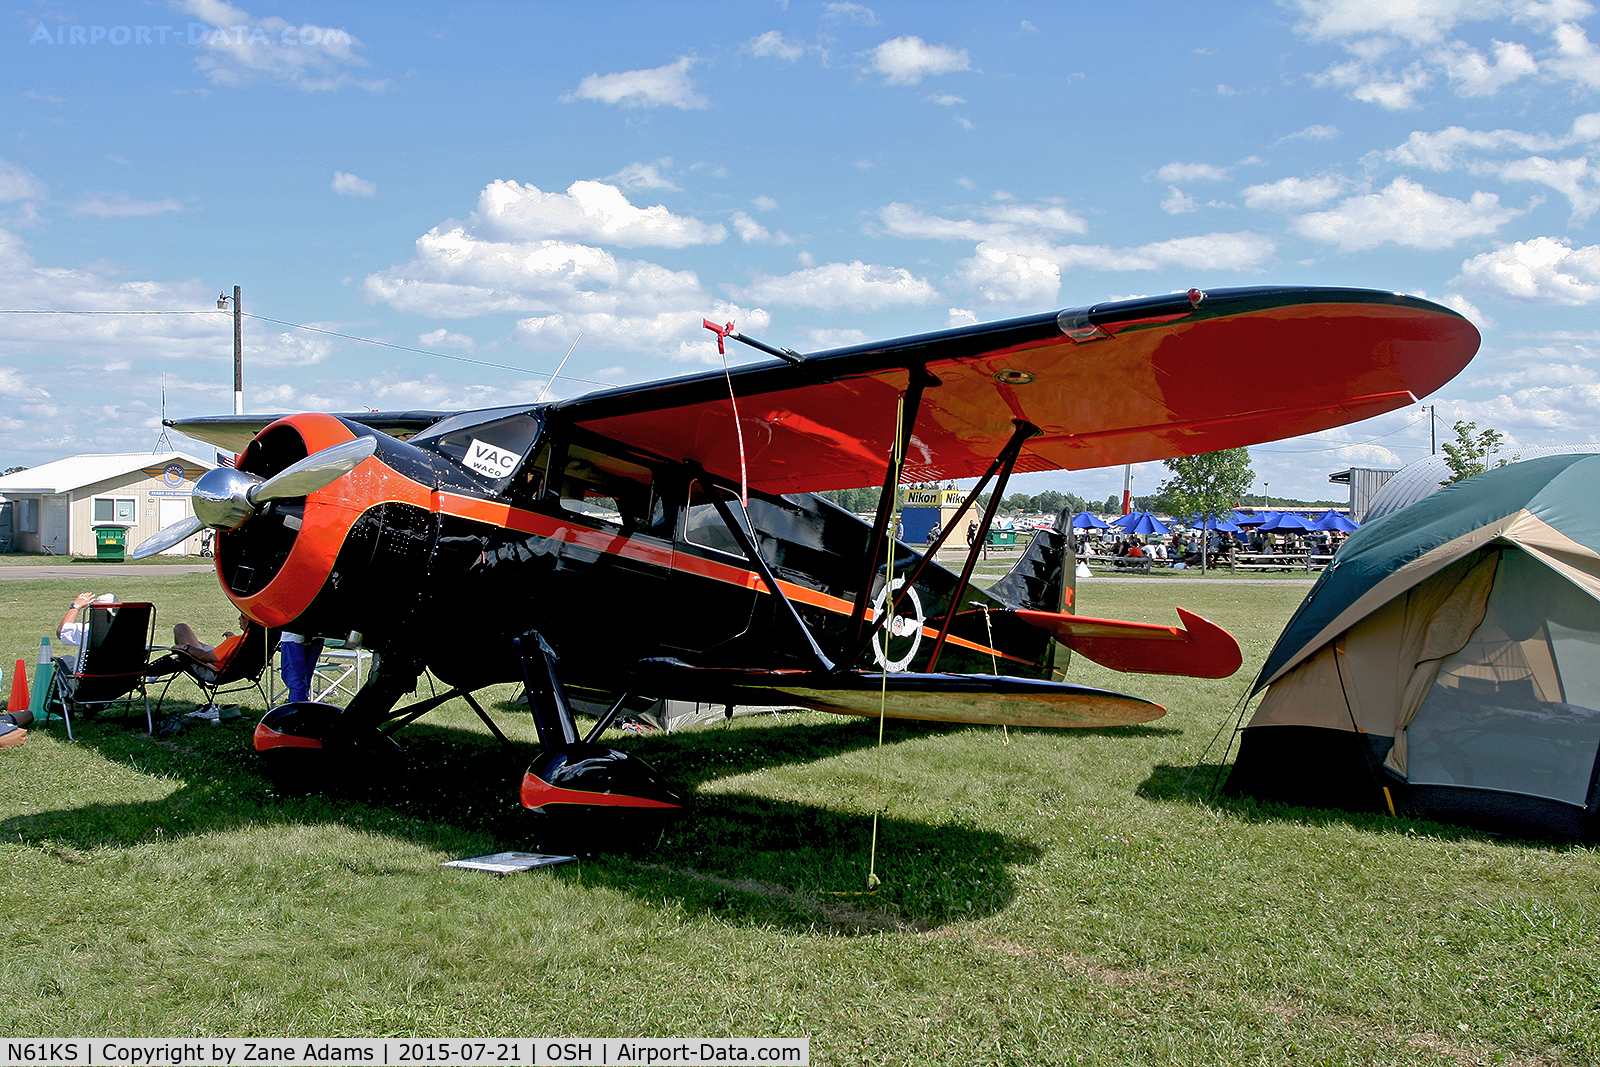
(168, 536)
(314, 472)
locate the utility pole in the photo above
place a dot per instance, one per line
(1433, 433)
(238, 348)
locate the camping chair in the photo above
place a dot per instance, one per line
(240, 671)
(111, 663)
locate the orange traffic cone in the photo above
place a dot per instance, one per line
(19, 688)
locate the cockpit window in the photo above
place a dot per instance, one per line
(611, 490)
(491, 444)
(703, 525)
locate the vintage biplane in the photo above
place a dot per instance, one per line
(661, 540)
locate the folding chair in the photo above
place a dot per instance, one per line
(240, 671)
(111, 663)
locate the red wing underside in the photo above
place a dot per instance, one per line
(967, 698)
(1231, 372)
(1201, 649)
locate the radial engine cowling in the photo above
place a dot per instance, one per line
(351, 555)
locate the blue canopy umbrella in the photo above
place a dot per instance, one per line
(1286, 520)
(1221, 525)
(1141, 522)
(1085, 521)
(1333, 520)
(1256, 519)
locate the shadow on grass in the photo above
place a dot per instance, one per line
(1202, 783)
(739, 857)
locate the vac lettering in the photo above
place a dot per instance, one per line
(489, 460)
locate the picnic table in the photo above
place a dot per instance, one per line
(1284, 560)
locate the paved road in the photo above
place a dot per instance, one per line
(93, 572)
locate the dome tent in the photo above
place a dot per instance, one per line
(1448, 664)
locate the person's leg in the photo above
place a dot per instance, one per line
(298, 659)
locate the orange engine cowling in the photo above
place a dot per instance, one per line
(307, 563)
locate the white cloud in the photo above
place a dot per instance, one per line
(1576, 56)
(1212, 251)
(848, 12)
(1474, 75)
(1312, 133)
(645, 176)
(1177, 203)
(858, 286)
(1018, 277)
(752, 232)
(1573, 178)
(349, 185)
(240, 50)
(821, 339)
(947, 99)
(1407, 214)
(123, 206)
(1459, 303)
(907, 60)
(774, 45)
(667, 86)
(1545, 270)
(18, 183)
(1186, 172)
(1007, 222)
(1384, 88)
(957, 317)
(674, 334)
(764, 203)
(587, 211)
(1293, 194)
(1415, 21)
(442, 338)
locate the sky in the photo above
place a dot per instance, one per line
(474, 186)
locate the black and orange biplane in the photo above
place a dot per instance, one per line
(661, 540)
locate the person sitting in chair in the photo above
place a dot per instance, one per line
(191, 654)
(74, 634)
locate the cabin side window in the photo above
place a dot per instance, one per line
(611, 490)
(703, 525)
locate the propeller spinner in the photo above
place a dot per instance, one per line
(224, 498)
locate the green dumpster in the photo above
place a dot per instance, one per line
(111, 543)
(1002, 537)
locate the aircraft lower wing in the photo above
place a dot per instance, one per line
(993, 700)
(1200, 649)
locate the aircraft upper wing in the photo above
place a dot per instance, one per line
(1115, 383)
(233, 432)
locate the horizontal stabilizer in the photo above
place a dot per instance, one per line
(988, 699)
(1201, 649)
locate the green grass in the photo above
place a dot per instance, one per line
(1047, 897)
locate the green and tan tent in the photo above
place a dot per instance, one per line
(1448, 664)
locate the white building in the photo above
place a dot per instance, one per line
(56, 506)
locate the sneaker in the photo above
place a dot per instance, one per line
(228, 712)
(11, 735)
(170, 726)
(208, 713)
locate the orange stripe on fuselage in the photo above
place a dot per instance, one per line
(568, 532)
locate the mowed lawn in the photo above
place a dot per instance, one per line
(1046, 897)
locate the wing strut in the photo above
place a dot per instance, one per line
(891, 485)
(1013, 449)
(892, 602)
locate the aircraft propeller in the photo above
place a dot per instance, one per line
(224, 498)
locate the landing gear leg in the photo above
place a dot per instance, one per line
(296, 741)
(589, 797)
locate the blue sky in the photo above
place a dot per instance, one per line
(485, 181)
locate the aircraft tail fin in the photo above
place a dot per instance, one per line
(1043, 579)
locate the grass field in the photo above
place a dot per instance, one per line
(1047, 897)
